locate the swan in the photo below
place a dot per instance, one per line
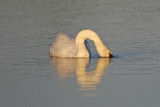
(65, 46)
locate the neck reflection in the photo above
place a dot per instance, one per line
(87, 78)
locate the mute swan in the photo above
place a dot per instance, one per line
(64, 46)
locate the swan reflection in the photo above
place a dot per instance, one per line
(87, 78)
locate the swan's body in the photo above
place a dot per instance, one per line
(64, 46)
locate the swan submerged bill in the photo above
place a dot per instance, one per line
(65, 46)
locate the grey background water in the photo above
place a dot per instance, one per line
(130, 28)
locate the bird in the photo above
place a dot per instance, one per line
(65, 46)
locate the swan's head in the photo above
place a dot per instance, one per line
(106, 53)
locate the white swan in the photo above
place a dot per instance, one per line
(64, 46)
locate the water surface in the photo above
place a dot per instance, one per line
(29, 78)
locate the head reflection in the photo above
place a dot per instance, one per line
(87, 79)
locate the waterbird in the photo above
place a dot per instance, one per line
(65, 46)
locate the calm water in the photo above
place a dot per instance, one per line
(29, 78)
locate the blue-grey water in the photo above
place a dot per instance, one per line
(29, 78)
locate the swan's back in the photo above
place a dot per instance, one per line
(63, 46)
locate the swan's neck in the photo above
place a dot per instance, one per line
(89, 34)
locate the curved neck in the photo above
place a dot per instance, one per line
(89, 34)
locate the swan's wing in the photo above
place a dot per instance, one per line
(63, 46)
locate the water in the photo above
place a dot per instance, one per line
(29, 78)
